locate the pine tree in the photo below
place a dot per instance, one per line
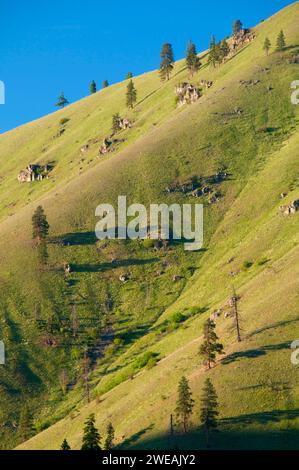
(129, 75)
(192, 61)
(208, 409)
(105, 84)
(40, 226)
(237, 26)
(281, 41)
(185, 403)
(167, 60)
(65, 445)
(62, 101)
(267, 45)
(110, 437)
(115, 123)
(93, 87)
(210, 347)
(224, 49)
(213, 55)
(91, 437)
(131, 94)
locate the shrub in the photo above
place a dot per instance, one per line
(148, 358)
(63, 121)
(247, 264)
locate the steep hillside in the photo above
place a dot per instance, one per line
(251, 131)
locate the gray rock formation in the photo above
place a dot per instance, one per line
(187, 93)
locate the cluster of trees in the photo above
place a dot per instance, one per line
(208, 407)
(92, 438)
(280, 43)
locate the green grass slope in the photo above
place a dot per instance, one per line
(255, 380)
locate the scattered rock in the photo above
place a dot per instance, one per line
(206, 83)
(123, 277)
(291, 208)
(187, 93)
(67, 268)
(34, 173)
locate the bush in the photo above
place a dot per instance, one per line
(148, 243)
(247, 264)
(63, 121)
(147, 359)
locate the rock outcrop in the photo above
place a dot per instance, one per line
(34, 173)
(291, 208)
(187, 93)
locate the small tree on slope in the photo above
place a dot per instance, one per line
(167, 59)
(91, 437)
(65, 445)
(208, 409)
(184, 404)
(40, 226)
(210, 347)
(109, 442)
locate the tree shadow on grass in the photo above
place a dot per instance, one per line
(273, 326)
(134, 438)
(76, 238)
(253, 353)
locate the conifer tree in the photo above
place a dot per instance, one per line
(65, 445)
(131, 94)
(167, 60)
(115, 122)
(40, 226)
(281, 42)
(62, 101)
(93, 87)
(210, 347)
(109, 442)
(224, 49)
(129, 75)
(91, 437)
(192, 61)
(267, 45)
(208, 409)
(237, 26)
(105, 84)
(185, 403)
(213, 55)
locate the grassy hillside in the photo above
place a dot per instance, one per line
(248, 243)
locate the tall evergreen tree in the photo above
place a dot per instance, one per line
(281, 41)
(65, 445)
(40, 226)
(109, 442)
(192, 61)
(131, 94)
(210, 347)
(62, 101)
(105, 84)
(115, 122)
(237, 26)
(213, 54)
(224, 49)
(129, 75)
(185, 403)
(91, 437)
(167, 60)
(93, 87)
(267, 45)
(208, 409)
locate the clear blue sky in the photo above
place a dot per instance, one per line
(48, 46)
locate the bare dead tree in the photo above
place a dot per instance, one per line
(235, 310)
(74, 321)
(86, 376)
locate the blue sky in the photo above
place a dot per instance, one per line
(48, 46)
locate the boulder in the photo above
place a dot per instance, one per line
(187, 93)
